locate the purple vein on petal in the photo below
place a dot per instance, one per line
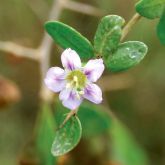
(70, 66)
(88, 73)
(88, 91)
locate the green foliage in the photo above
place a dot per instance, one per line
(97, 121)
(161, 29)
(126, 56)
(125, 150)
(150, 8)
(108, 35)
(45, 135)
(67, 37)
(88, 113)
(94, 121)
(117, 57)
(67, 137)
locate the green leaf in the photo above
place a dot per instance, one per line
(67, 137)
(90, 113)
(161, 29)
(67, 37)
(45, 135)
(126, 56)
(108, 35)
(150, 8)
(124, 148)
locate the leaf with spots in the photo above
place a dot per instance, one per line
(126, 56)
(108, 35)
(67, 137)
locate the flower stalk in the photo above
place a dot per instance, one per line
(129, 25)
(70, 114)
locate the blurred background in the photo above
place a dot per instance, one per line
(136, 97)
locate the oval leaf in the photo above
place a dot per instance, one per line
(161, 29)
(108, 35)
(67, 137)
(126, 56)
(67, 37)
(150, 8)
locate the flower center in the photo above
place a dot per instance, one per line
(77, 79)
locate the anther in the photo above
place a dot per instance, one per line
(81, 92)
(77, 95)
(68, 85)
(75, 79)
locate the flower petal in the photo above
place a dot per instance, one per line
(93, 93)
(70, 59)
(65, 93)
(70, 99)
(94, 69)
(55, 79)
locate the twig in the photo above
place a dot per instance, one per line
(37, 11)
(19, 50)
(130, 24)
(83, 8)
(45, 49)
(46, 43)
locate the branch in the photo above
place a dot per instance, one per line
(72, 113)
(45, 49)
(83, 8)
(19, 50)
(130, 24)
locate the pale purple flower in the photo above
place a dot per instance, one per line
(75, 82)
